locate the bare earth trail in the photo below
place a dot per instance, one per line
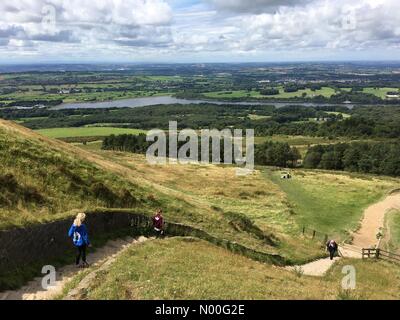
(99, 260)
(366, 237)
(374, 221)
(102, 258)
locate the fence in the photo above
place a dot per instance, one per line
(315, 235)
(380, 254)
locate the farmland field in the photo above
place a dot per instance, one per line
(380, 92)
(87, 132)
(325, 92)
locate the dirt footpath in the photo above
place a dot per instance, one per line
(374, 221)
(365, 237)
(34, 291)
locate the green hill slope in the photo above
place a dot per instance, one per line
(185, 268)
(42, 179)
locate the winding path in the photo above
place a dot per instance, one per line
(102, 258)
(374, 221)
(366, 237)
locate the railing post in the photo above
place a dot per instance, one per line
(377, 253)
(313, 235)
(304, 230)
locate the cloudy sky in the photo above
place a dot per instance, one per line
(198, 30)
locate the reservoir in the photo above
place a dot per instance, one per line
(168, 100)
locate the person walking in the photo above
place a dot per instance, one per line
(158, 223)
(79, 234)
(332, 247)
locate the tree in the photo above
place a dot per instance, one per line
(312, 160)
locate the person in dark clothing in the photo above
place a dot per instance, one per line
(78, 233)
(81, 255)
(158, 223)
(332, 247)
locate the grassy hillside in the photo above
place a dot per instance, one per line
(44, 179)
(183, 268)
(41, 179)
(327, 201)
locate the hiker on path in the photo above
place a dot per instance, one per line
(158, 223)
(332, 247)
(78, 233)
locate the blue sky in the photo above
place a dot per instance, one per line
(198, 30)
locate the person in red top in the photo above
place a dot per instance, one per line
(158, 223)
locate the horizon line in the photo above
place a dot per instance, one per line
(194, 62)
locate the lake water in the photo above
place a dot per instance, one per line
(168, 100)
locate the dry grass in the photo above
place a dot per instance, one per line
(192, 269)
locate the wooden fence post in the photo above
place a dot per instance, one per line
(313, 235)
(377, 253)
(304, 230)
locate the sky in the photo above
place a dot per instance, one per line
(171, 31)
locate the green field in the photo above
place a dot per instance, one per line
(121, 93)
(297, 140)
(325, 91)
(331, 203)
(380, 92)
(302, 143)
(57, 133)
(344, 115)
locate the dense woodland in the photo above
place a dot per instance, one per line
(360, 122)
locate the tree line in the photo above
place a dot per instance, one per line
(381, 158)
(363, 121)
(269, 153)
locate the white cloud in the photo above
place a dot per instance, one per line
(76, 20)
(254, 5)
(322, 24)
(208, 28)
